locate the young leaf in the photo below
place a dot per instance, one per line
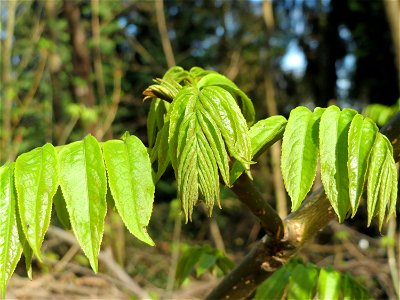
(83, 184)
(333, 143)
(61, 209)
(382, 179)
(160, 152)
(263, 134)
(10, 245)
(302, 282)
(227, 115)
(215, 79)
(300, 153)
(36, 181)
(362, 134)
(155, 119)
(329, 284)
(131, 184)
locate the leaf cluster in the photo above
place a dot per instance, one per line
(297, 280)
(353, 155)
(74, 177)
(198, 122)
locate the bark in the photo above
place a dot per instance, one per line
(300, 226)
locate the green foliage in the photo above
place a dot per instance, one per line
(73, 177)
(202, 125)
(200, 259)
(380, 113)
(350, 149)
(199, 122)
(10, 245)
(297, 280)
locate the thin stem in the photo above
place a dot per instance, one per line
(162, 28)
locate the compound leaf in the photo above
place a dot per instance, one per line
(131, 184)
(300, 153)
(36, 181)
(333, 141)
(10, 245)
(362, 134)
(84, 186)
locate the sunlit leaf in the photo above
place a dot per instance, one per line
(83, 184)
(382, 180)
(329, 284)
(226, 114)
(160, 152)
(263, 135)
(131, 184)
(333, 141)
(36, 181)
(10, 245)
(361, 139)
(215, 79)
(300, 153)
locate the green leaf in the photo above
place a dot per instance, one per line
(155, 119)
(329, 284)
(61, 209)
(223, 109)
(26, 248)
(206, 262)
(83, 184)
(36, 182)
(163, 89)
(274, 286)
(333, 141)
(187, 262)
(263, 135)
(10, 245)
(215, 79)
(362, 134)
(160, 151)
(131, 184)
(382, 180)
(302, 282)
(300, 153)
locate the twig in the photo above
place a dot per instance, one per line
(107, 260)
(162, 28)
(111, 111)
(98, 67)
(174, 257)
(393, 266)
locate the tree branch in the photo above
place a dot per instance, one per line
(300, 226)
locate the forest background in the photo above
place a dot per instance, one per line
(69, 68)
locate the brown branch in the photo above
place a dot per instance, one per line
(162, 28)
(300, 226)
